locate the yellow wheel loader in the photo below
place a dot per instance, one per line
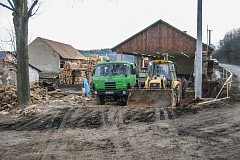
(162, 89)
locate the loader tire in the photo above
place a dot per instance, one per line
(100, 100)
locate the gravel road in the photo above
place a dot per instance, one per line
(233, 68)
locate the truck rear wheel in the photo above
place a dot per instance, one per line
(100, 100)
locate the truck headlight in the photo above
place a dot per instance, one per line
(124, 92)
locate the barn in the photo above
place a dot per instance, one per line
(157, 39)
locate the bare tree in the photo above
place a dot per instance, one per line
(229, 47)
(21, 12)
(10, 40)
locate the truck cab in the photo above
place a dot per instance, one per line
(111, 81)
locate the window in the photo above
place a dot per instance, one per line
(112, 69)
(62, 62)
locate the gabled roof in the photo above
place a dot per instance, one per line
(66, 51)
(35, 68)
(151, 26)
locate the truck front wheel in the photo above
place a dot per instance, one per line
(100, 100)
(123, 101)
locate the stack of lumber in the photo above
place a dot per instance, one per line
(78, 75)
(8, 96)
(91, 65)
(65, 74)
(74, 72)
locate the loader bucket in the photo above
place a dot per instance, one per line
(143, 98)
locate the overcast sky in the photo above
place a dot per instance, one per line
(96, 24)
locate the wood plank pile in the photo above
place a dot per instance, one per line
(74, 72)
(8, 96)
(92, 64)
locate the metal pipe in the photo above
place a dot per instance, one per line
(227, 82)
(213, 100)
(227, 89)
(223, 73)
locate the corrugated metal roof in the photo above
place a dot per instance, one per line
(66, 51)
(105, 56)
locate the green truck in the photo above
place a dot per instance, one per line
(111, 81)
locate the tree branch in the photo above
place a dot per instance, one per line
(11, 4)
(31, 8)
(3, 5)
(35, 13)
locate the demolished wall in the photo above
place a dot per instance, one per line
(8, 73)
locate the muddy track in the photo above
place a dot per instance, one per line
(115, 132)
(85, 117)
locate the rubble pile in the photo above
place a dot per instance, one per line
(74, 72)
(8, 96)
(38, 94)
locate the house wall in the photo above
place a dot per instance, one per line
(33, 75)
(43, 57)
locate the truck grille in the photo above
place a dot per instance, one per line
(154, 85)
(110, 85)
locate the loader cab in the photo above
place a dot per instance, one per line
(162, 68)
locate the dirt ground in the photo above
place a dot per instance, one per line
(63, 130)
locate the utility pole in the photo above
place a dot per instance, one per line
(209, 37)
(198, 57)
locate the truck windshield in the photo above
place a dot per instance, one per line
(111, 69)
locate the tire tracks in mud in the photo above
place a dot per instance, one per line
(51, 145)
(115, 117)
(57, 121)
